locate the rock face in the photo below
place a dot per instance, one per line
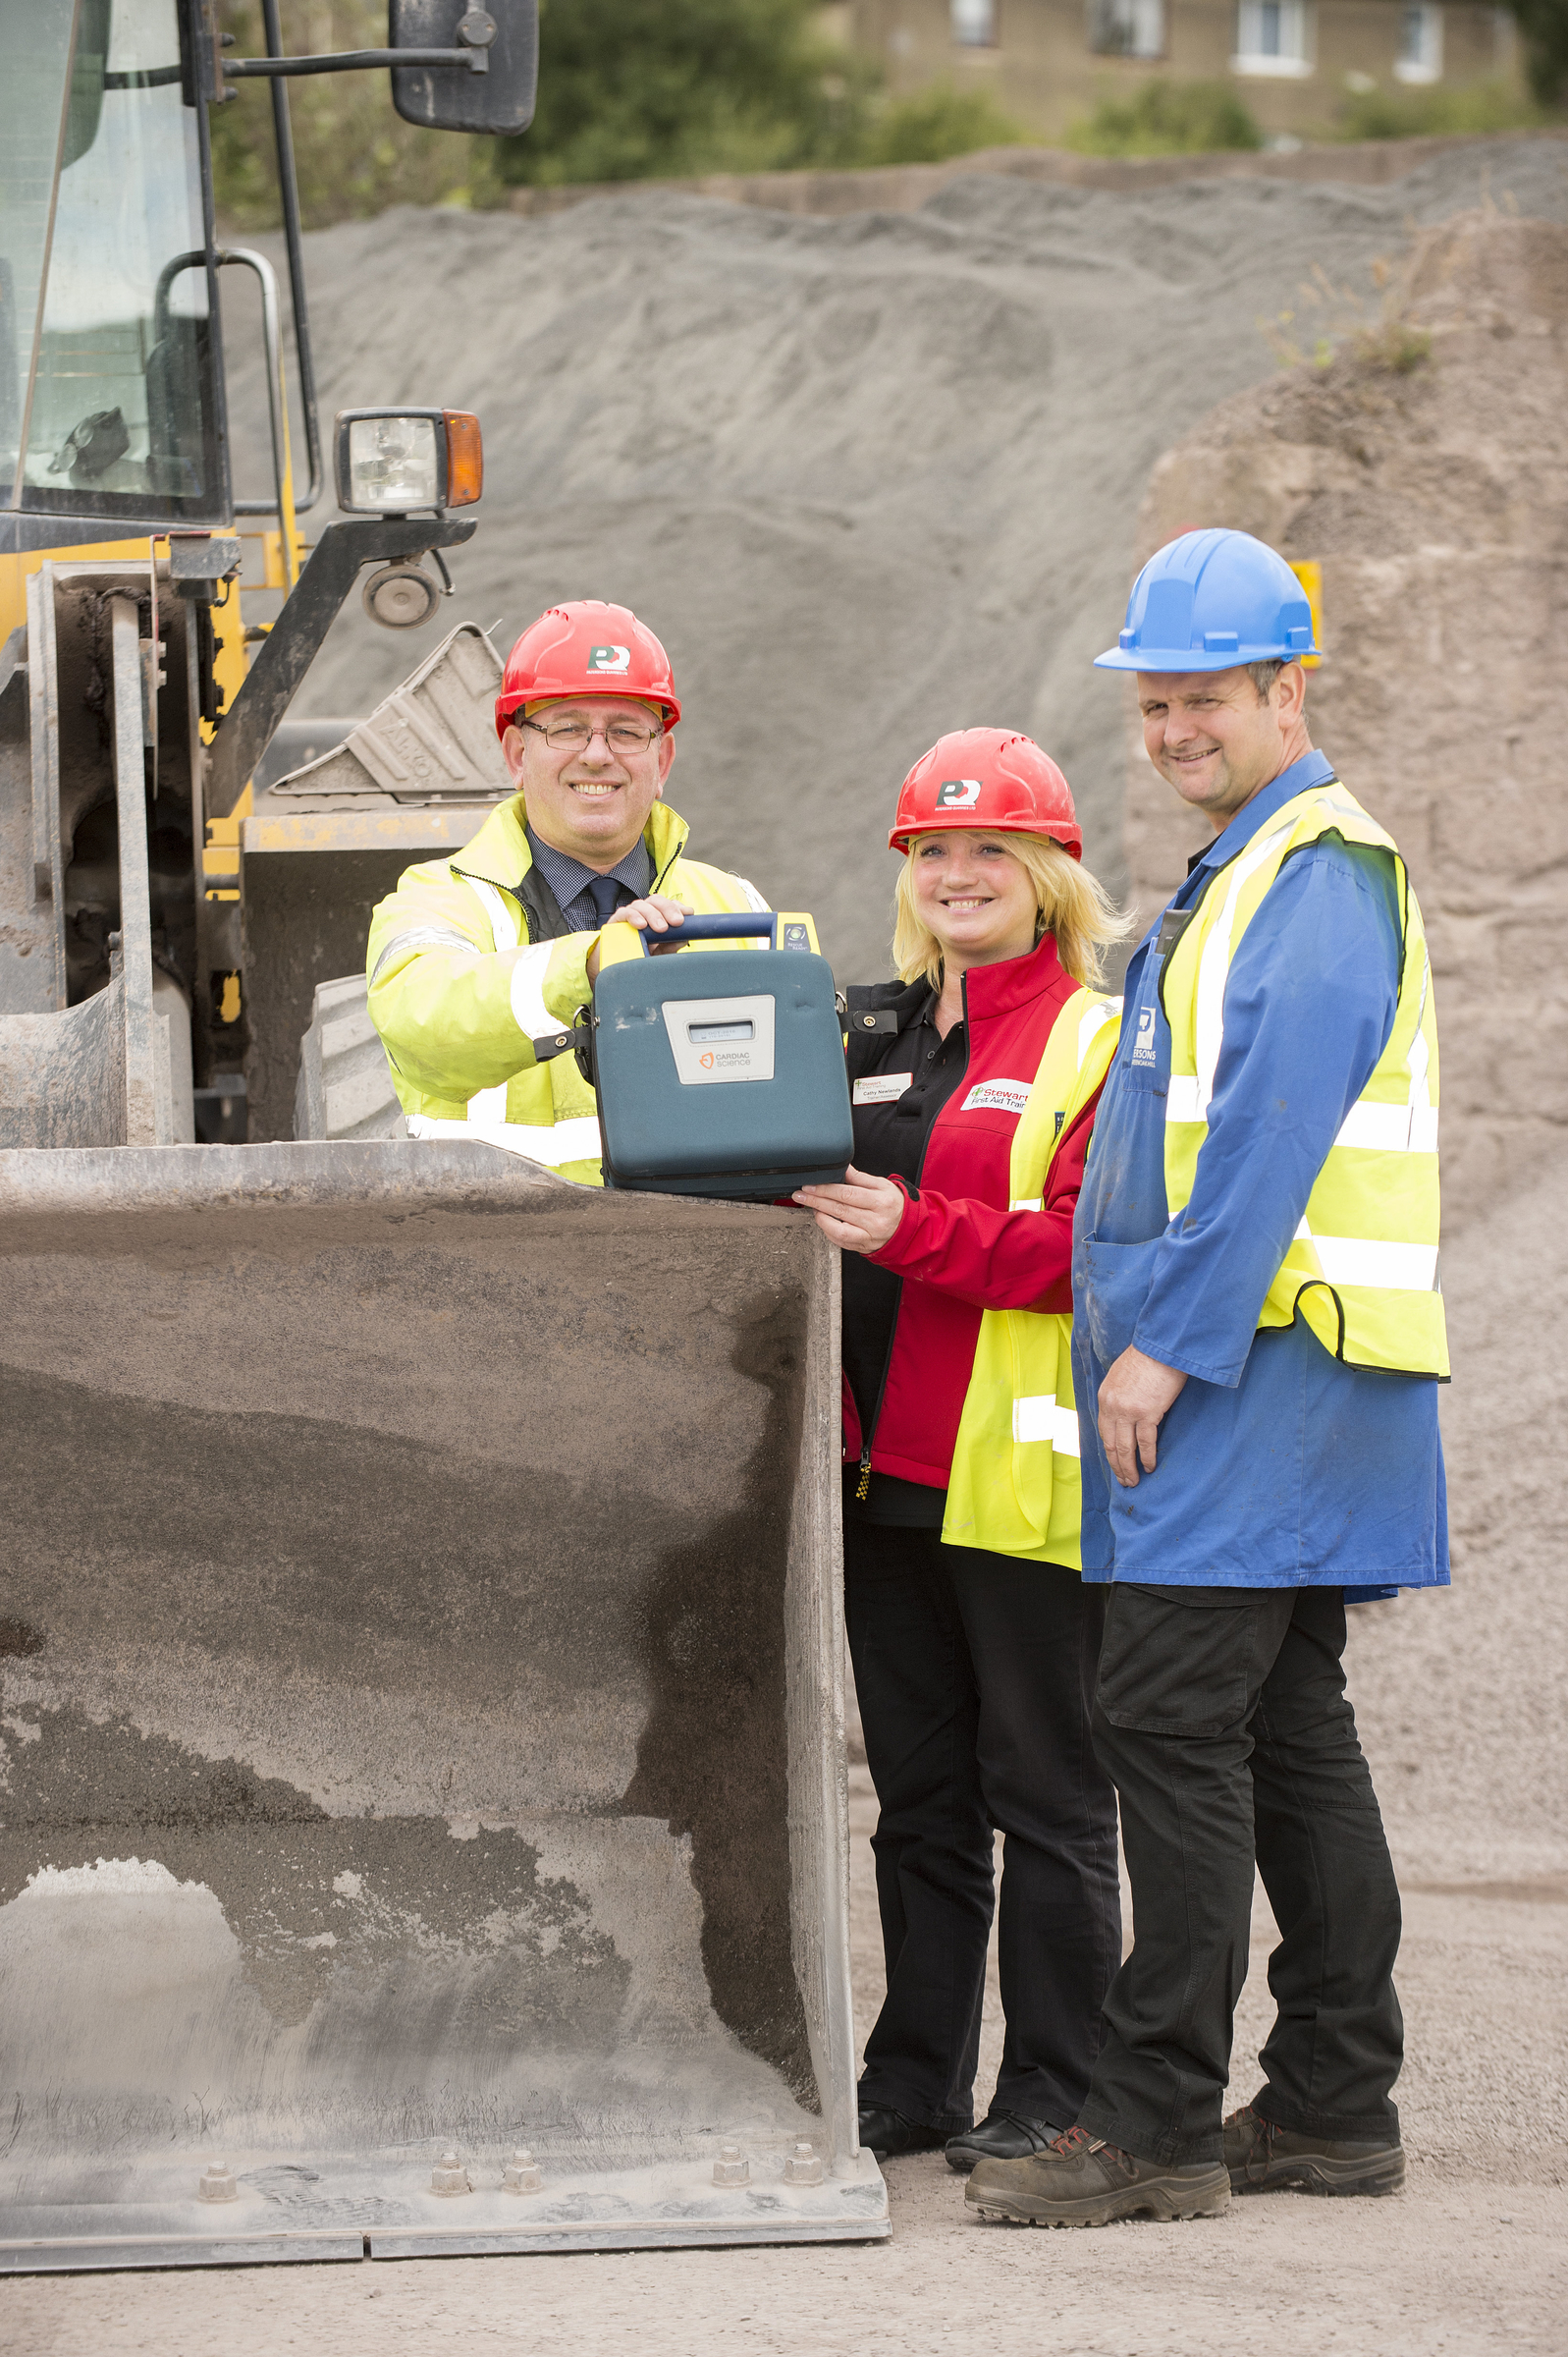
(1437, 501)
(1435, 496)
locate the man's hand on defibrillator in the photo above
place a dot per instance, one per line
(656, 914)
(1136, 1393)
(859, 1216)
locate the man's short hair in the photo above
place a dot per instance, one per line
(1263, 674)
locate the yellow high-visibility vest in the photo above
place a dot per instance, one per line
(1014, 1488)
(1362, 1268)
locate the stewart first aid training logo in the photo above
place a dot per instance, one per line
(957, 794)
(609, 658)
(997, 1096)
(1143, 1047)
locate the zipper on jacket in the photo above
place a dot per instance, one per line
(513, 893)
(869, 1434)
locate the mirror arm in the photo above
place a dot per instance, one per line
(356, 61)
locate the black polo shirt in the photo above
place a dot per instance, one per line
(902, 1074)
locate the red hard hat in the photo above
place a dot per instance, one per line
(586, 648)
(987, 778)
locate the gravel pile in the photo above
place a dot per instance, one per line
(870, 479)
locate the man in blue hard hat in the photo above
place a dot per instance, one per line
(1258, 1317)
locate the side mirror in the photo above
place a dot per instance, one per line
(499, 97)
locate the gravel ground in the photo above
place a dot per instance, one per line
(1470, 2259)
(1473, 2257)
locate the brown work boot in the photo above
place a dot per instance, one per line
(1262, 2158)
(1080, 2180)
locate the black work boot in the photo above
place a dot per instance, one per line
(1263, 2158)
(886, 2133)
(1080, 2180)
(1000, 2136)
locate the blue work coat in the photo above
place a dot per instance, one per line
(1278, 1466)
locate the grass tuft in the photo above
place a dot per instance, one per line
(1166, 118)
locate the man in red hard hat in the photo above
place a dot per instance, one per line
(471, 959)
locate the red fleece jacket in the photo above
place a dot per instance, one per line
(958, 1248)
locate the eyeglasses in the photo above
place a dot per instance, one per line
(575, 735)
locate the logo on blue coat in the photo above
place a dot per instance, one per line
(1143, 1047)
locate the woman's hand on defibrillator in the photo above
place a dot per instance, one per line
(656, 914)
(860, 1216)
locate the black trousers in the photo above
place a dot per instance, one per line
(975, 1673)
(1222, 1715)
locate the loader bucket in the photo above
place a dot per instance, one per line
(421, 1714)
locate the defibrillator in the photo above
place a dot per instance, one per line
(719, 1074)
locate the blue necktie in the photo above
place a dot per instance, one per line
(606, 892)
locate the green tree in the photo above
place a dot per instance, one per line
(630, 90)
(1168, 118)
(1544, 26)
(353, 156)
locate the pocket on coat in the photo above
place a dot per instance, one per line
(1118, 1279)
(1171, 1668)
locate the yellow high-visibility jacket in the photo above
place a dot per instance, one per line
(1362, 1268)
(464, 976)
(1014, 1484)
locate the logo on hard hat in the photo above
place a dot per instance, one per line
(609, 658)
(957, 794)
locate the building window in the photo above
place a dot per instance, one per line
(1272, 36)
(974, 24)
(1420, 44)
(1127, 27)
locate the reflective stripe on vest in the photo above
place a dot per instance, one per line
(1014, 1484)
(487, 1107)
(1351, 1260)
(1042, 1420)
(1362, 1269)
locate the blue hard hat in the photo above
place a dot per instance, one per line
(1209, 601)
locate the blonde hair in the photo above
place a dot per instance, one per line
(1070, 903)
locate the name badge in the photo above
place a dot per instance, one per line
(882, 1088)
(997, 1096)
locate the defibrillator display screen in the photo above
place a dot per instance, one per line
(719, 1039)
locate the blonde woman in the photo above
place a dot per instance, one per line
(973, 1638)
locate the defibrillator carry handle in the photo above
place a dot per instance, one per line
(726, 925)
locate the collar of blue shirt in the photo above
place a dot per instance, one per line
(1313, 769)
(568, 879)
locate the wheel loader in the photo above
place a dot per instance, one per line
(422, 1812)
